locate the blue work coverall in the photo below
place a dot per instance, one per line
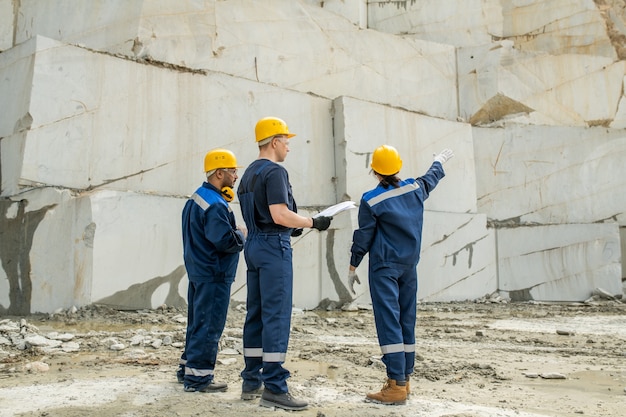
(211, 246)
(268, 255)
(390, 229)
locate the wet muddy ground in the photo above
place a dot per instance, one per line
(504, 359)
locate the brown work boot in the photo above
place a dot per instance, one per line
(391, 394)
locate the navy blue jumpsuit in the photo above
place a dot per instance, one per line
(390, 229)
(211, 246)
(268, 257)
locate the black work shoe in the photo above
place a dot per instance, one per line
(283, 400)
(211, 387)
(252, 395)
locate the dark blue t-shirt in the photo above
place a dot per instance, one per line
(269, 182)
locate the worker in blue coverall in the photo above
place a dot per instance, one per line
(390, 229)
(270, 213)
(211, 245)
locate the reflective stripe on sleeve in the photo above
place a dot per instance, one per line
(409, 348)
(200, 201)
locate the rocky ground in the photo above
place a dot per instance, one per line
(474, 359)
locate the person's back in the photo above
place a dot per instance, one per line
(399, 214)
(218, 255)
(268, 182)
(390, 229)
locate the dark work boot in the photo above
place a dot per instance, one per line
(210, 387)
(252, 395)
(283, 400)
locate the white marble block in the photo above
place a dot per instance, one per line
(559, 262)
(291, 44)
(497, 82)
(551, 175)
(556, 26)
(361, 127)
(47, 237)
(118, 248)
(103, 122)
(622, 235)
(459, 23)
(355, 10)
(137, 243)
(458, 259)
(6, 24)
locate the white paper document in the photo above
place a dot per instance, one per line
(337, 208)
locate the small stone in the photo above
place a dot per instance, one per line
(565, 332)
(37, 366)
(117, 346)
(70, 347)
(552, 375)
(227, 361)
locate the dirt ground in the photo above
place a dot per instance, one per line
(474, 359)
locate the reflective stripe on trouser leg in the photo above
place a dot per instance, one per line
(385, 284)
(269, 313)
(209, 307)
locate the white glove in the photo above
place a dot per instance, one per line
(443, 156)
(352, 278)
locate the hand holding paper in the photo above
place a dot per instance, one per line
(336, 209)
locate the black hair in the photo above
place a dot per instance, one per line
(389, 180)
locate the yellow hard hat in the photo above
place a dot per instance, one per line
(386, 160)
(219, 158)
(271, 126)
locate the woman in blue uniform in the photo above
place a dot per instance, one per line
(390, 229)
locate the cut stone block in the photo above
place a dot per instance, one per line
(556, 27)
(100, 25)
(459, 23)
(550, 175)
(46, 260)
(355, 11)
(137, 249)
(16, 77)
(622, 235)
(261, 42)
(458, 259)
(6, 24)
(103, 122)
(545, 89)
(361, 127)
(560, 262)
